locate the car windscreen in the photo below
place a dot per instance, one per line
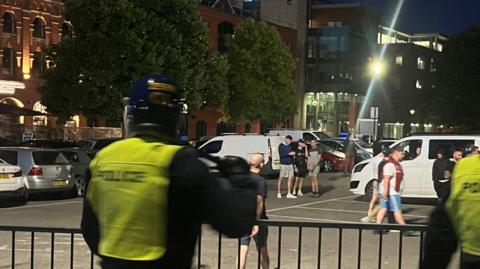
(321, 135)
(49, 158)
(9, 156)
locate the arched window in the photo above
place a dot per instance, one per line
(7, 62)
(223, 128)
(66, 30)
(225, 29)
(38, 28)
(200, 129)
(39, 120)
(8, 23)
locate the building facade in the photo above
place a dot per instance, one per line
(408, 83)
(221, 21)
(341, 40)
(27, 28)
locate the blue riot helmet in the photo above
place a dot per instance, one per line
(155, 105)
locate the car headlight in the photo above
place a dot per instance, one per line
(359, 167)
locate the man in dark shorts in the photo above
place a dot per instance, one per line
(259, 232)
(301, 170)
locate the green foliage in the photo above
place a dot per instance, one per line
(457, 98)
(260, 77)
(116, 42)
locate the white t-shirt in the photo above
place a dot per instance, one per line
(390, 170)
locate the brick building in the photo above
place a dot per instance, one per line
(221, 22)
(27, 27)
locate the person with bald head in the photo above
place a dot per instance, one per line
(259, 232)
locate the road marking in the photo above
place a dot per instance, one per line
(40, 205)
(313, 203)
(315, 219)
(355, 211)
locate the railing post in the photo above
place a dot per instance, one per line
(13, 249)
(319, 251)
(299, 252)
(32, 250)
(340, 238)
(52, 254)
(279, 255)
(359, 255)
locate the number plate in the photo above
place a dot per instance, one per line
(59, 182)
(5, 176)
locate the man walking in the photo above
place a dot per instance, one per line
(259, 232)
(390, 187)
(440, 179)
(286, 167)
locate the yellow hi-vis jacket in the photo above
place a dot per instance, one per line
(463, 205)
(128, 193)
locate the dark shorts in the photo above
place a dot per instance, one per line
(260, 238)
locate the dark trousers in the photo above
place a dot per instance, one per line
(470, 261)
(441, 188)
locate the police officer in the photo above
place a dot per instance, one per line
(457, 221)
(147, 197)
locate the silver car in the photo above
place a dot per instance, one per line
(45, 170)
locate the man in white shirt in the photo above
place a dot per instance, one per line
(390, 187)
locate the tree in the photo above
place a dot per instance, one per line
(260, 77)
(457, 99)
(115, 43)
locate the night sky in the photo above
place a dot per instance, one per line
(427, 16)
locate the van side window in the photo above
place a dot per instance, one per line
(212, 147)
(448, 146)
(10, 157)
(413, 149)
(308, 137)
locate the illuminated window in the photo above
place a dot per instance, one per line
(8, 23)
(420, 63)
(38, 28)
(418, 84)
(399, 60)
(7, 62)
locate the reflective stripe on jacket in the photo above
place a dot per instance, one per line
(128, 193)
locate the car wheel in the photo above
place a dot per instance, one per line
(328, 166)
(79, 186)
(24, 198)
(368, 192)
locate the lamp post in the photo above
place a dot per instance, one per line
(377, 69)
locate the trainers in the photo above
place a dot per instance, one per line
(279, 195)
(300, 194)
(291, 196)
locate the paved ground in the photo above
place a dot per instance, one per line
(336, 204)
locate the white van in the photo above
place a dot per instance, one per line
(417, 167)
(245, 146)
(298, 134)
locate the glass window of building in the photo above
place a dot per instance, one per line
(289, 2)
(399, 60)
(66, 31)
(7, 62)
(418, 84)
(38, 28)
(420, 63)
(225, 29)
(311, 47)
(433, 67)
(39, 64)
(8, 23)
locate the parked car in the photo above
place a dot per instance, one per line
(332, 160)
(245, 146)
(298, 134)
(46, 170)
(12, 183)
(45, 143)
(80, 161)
(339, 145)
(95, 146)
(420, 153)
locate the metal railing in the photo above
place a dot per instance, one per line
(354, 234)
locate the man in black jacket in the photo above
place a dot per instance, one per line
(439, 176)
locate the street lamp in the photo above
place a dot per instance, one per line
(377, 68)
(412, 112)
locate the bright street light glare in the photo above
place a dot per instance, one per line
(377, 68)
